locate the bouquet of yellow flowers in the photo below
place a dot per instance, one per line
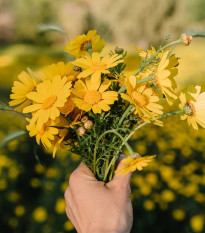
(92, 106)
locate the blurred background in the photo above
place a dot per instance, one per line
(169, 195)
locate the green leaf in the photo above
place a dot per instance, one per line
(5, 107)
(51, 27)
(12, 136)
(196, 33)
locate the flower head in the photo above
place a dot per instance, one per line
(78, 46)
(193, 103)
(95, 65)
(47, 99)
(164, 74)
(93, 96)
(62, 69)
(45, 134)
(134, 162)
(20, 90)
(142, 98)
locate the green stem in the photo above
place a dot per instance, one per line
(145, 123)
(108, 168)
(172, 43)
(102, 135)
(125, 114)
(90, 51)
(123, 88)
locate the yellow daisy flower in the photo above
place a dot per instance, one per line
(193, 103)
(164, 74)
(48, 98)
(93, 96)
(20, 89)
(95, 65)
(78, 46)
(142, 98)
(45, 134)
(62, 69)
(148, 53)
(68, 106)
(132, 163)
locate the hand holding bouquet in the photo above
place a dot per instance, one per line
(92, 105)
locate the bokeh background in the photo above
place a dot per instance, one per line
(169, 195)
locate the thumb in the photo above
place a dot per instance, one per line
(121, 180)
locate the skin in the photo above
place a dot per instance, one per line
(97, 207)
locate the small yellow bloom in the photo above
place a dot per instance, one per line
(164, 74)
(19, 210)
(60, 206)
(93, 96)
(95, 65)
(78, 46)
(193, 103)
(142, 98)
(62, 69)
(45, 134)
(20, 90)
(178, 214)
(197, 223)
(48, 98)
(40, 214)
(135, 162)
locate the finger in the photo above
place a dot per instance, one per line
(121, 180)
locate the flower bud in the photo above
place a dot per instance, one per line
(81, 131)
(186, 39)
(84, 119)
(88, 124)
(77, 68)
(119, 50)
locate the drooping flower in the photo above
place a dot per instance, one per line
(193, 104)
(95, 65)
(48, 98)
(93, 96)
(68, 106)
(134, 162)
(163, 76)
(62, 69)
(78, 46)
(142, 98)
(45, 135)
(20, 90)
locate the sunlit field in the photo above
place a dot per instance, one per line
(168, 195)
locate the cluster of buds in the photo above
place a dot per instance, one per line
(87, 124)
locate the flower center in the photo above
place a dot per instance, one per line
(97, 66)
(92, 97)
(140, 99)
(189, 109)
(48, 103)
(86, 45)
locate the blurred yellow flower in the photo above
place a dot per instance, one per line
(136, 162)
(164, 74)
(95, 65)
(13, 196)
(149, 205)
(19, 210)
(60, 206)
(20, 90)
(193, 103)
(178, 214)
(93, 95)
(40, 214)
(142, 98)
(62, 69)
(48, 98)
(167, 195)
(68, 225)
(197, 223)
(78, 46)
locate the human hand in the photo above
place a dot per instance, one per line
(95, 206)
